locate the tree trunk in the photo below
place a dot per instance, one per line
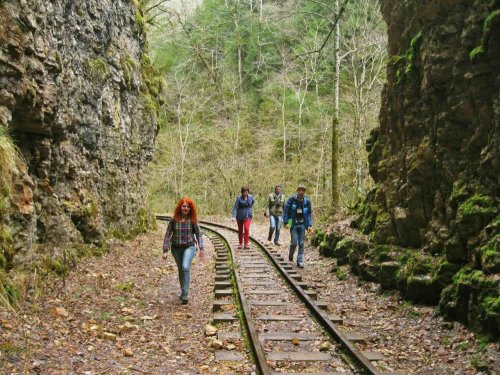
(335, 121)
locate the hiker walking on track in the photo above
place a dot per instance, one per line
(242, 212)
(182, 237)
(298, 217)
(274, 210)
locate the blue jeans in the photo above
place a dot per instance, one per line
(275, 222)
(183, 258)
(298, 232)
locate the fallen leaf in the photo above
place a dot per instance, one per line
(128, 352)
(59, 312)
(109, 336)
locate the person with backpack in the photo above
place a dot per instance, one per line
(182, 237)
(242, 212)
(298, 217)
(274, 210)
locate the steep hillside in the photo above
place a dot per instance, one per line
(78, 100)
(436, 159)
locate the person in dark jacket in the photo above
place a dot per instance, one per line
(242, 212)
(274, 210)
(298, 217)
(182, 236)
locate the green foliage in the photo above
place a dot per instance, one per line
(408, 59)
(249, 104)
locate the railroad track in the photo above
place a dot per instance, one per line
(288, 330)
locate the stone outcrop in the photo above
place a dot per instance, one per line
(79, 100)
(435, 157)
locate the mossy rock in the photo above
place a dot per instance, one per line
(384, 231)
(489, 256)
(445, 272)
(475, 213)
(416, 263)
(346, 246)
(387, 274)
(455, 250)
(385, 253)
(490, 305)
(328, 244)
(423, 289)
(317, 237)
(367, 270)
(473, 299)
(367, 214)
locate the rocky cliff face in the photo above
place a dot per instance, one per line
(436, 156)
(78, 99)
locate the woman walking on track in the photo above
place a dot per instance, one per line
(182, 237)
(242, 212)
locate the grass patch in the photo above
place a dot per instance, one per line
(341, 274)
(126, 286)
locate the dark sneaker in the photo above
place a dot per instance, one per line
(239, 246)
(185, 301)
(277, 243)
(300, 265)
(290, 257)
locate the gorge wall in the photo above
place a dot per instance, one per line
(78, 98)
(433, 218)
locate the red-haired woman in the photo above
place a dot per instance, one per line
(181, 237)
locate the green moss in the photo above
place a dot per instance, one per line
(11, 291)
(340, 273)
(396, 59)
(476, 52)
(491, 306)
(474, 278)
(139, 19)
(6, 249)
(477, 205)
(460, 192)
(414, 263)
(97, 69)
(489, 20)
(490, 255)
(405, 62)
(412, 52)
(150, 104)
(129, 68)
(59, 267)
(9, 158)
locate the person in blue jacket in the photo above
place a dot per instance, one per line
(242, 212)
(298, 217)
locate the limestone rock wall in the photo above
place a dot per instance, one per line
(435, 157)
(75, 98)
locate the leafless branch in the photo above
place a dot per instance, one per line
(333, 25)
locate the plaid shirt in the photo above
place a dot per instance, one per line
(180, 234)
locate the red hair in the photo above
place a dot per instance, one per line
(193, 213)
